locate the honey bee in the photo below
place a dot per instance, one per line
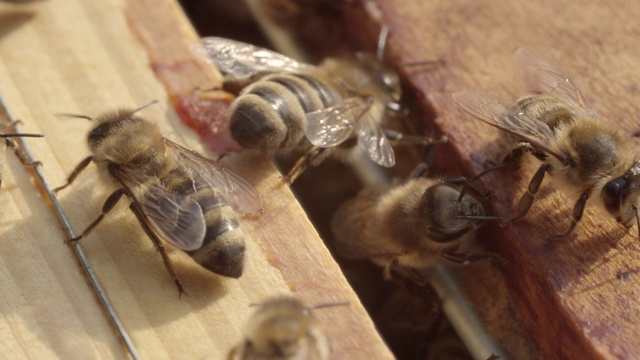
(341, 101)
(177, 195)
(282, 329)
(410, 226)
(583, 153)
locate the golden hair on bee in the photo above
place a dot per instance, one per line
(177, 195)
(410, 226)
(582, 152)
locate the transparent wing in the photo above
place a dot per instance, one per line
(488, 109)
(373, 140)
(175, 218)
(541, 75)
(241, 60)
(333, 125)
(236, 191)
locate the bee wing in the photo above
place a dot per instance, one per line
(488, 109)
(542, 75)
(241, 60)
(373, 140)
(237, 192)
(175, 218)
(333, 125)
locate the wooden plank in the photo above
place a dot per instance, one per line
(87, 57)
(577, 295)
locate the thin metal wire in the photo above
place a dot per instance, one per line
(79, 252)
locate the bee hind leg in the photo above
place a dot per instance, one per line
(313, 157)
(399, 138)
(159, 246)
(467, 258)
(401, 274)
(578, 210)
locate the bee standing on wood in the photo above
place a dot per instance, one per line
(343, 101)
(583, 152)
(177, 195)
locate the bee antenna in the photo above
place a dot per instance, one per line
(423, 63)
(21, 135)
(146, 105)
(339, 303)
(382, 42)
(77, 116)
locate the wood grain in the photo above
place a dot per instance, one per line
(87, 57)
(578, 296)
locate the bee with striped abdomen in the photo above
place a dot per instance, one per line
(177, 195)
(342, 101)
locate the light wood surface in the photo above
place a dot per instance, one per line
(85, 57)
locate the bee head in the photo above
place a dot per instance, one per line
(107, 124)
(621, 195)
(444, 210)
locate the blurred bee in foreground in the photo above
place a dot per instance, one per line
(410, 226)
(282, 329)
(582, 152)
(177, 195)
(340, 102)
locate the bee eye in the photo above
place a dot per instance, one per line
(612, 194)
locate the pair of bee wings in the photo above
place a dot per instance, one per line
(177, 217)
(325, 128)
(539, 76)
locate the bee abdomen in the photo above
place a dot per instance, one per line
(223, 248)
(271, 113)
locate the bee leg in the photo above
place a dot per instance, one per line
(578, 210)
(445, 235)
(111, 201)
(83, 164)
(466, 184)
(527, 198)
(395, 271)
(514, 159)
(158, 244)
(17, 150)
(467, 258)
(314, 156)
(399, 138)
